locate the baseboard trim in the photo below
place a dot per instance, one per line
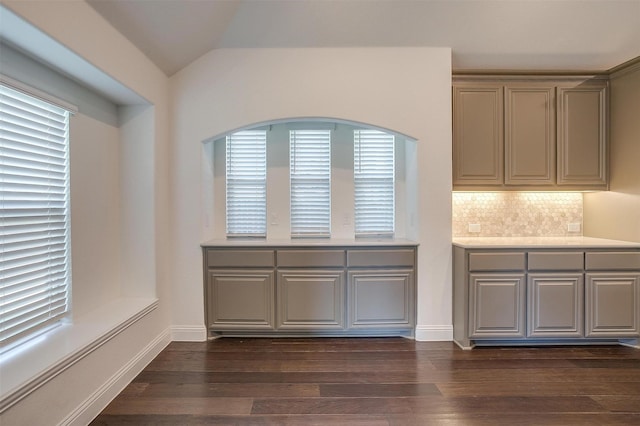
(189, 333)
(98, 400)
(434, 333)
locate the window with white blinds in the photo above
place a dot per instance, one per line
(374, 183)
(247, 183)
(310, 176)
(34, 215)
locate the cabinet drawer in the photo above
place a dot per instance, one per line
(222, 258)
(606, 261)
(556, 261)
(310, 258)
(381, 258)
(496, 261)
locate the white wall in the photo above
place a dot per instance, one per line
(229, 89)
(94, 151)
(120, 198)
(616, 214)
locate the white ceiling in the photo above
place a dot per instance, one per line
(587, 35)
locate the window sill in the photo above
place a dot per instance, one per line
(31, 365)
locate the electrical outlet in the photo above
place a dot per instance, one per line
(474, 228)
(573, 227)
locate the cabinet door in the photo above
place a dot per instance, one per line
(310, 300)
(497, 306)
(555, 305)
(381, 299)
(477, 135)
(582, 150)
(530, 135)
(239, 300)
(612, 304)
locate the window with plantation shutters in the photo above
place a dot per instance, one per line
(374, 183)
(247, 183)
(34, 215)
(310, 176)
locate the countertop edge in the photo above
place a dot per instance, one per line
(309, 243)
(542, 243)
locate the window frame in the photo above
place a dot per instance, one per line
(35, 197)
(238, 179)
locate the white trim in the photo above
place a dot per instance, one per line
(98, 400)
(36, 93)
(188, 333)
(135, 310)
(434, 333)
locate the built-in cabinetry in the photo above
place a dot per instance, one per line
(515, 133)
(300, 290)
(545, 295)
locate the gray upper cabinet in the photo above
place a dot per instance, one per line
(529, 133)
(478, 145)
(582, 149)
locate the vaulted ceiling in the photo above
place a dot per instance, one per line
(590, 35)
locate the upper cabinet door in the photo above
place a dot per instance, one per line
(478, 157)
(582, 135)
(530, 135)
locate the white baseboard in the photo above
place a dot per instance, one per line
(188, 333)
(434, 333)
(96, 402)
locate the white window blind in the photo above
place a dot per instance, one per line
(34, 215)
(247, 183)
(310, 174)
(374, 183)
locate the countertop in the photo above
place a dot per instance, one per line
(310, 242)
(541, 242)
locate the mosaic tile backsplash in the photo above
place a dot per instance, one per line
(517, 214)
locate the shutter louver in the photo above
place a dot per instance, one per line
(374, 183)
(247, 184)
(34, 215)
(310, 174)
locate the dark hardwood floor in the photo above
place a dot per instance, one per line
(380, 381)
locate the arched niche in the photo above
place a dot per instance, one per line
(278, 215)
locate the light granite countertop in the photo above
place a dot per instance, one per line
(541, 242)
(310, 242)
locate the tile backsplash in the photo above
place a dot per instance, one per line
(517, 214)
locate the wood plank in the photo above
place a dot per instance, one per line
(379, 382)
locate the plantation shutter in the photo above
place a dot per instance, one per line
(34, 214)
(374, 183)
(247, 183)
(310, 173)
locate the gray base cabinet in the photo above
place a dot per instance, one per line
(528, 296)
(612, 304)
(241, 300)
(309, 300)
(328, 290)
(496, 304)
(381, 299)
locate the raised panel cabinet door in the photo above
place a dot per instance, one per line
(612, 305)
(238, 300)
(497, 306)
(582, 135)
(555, 305)
(310, 300)
(478, 135)
(529, 137)
(381, 299)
